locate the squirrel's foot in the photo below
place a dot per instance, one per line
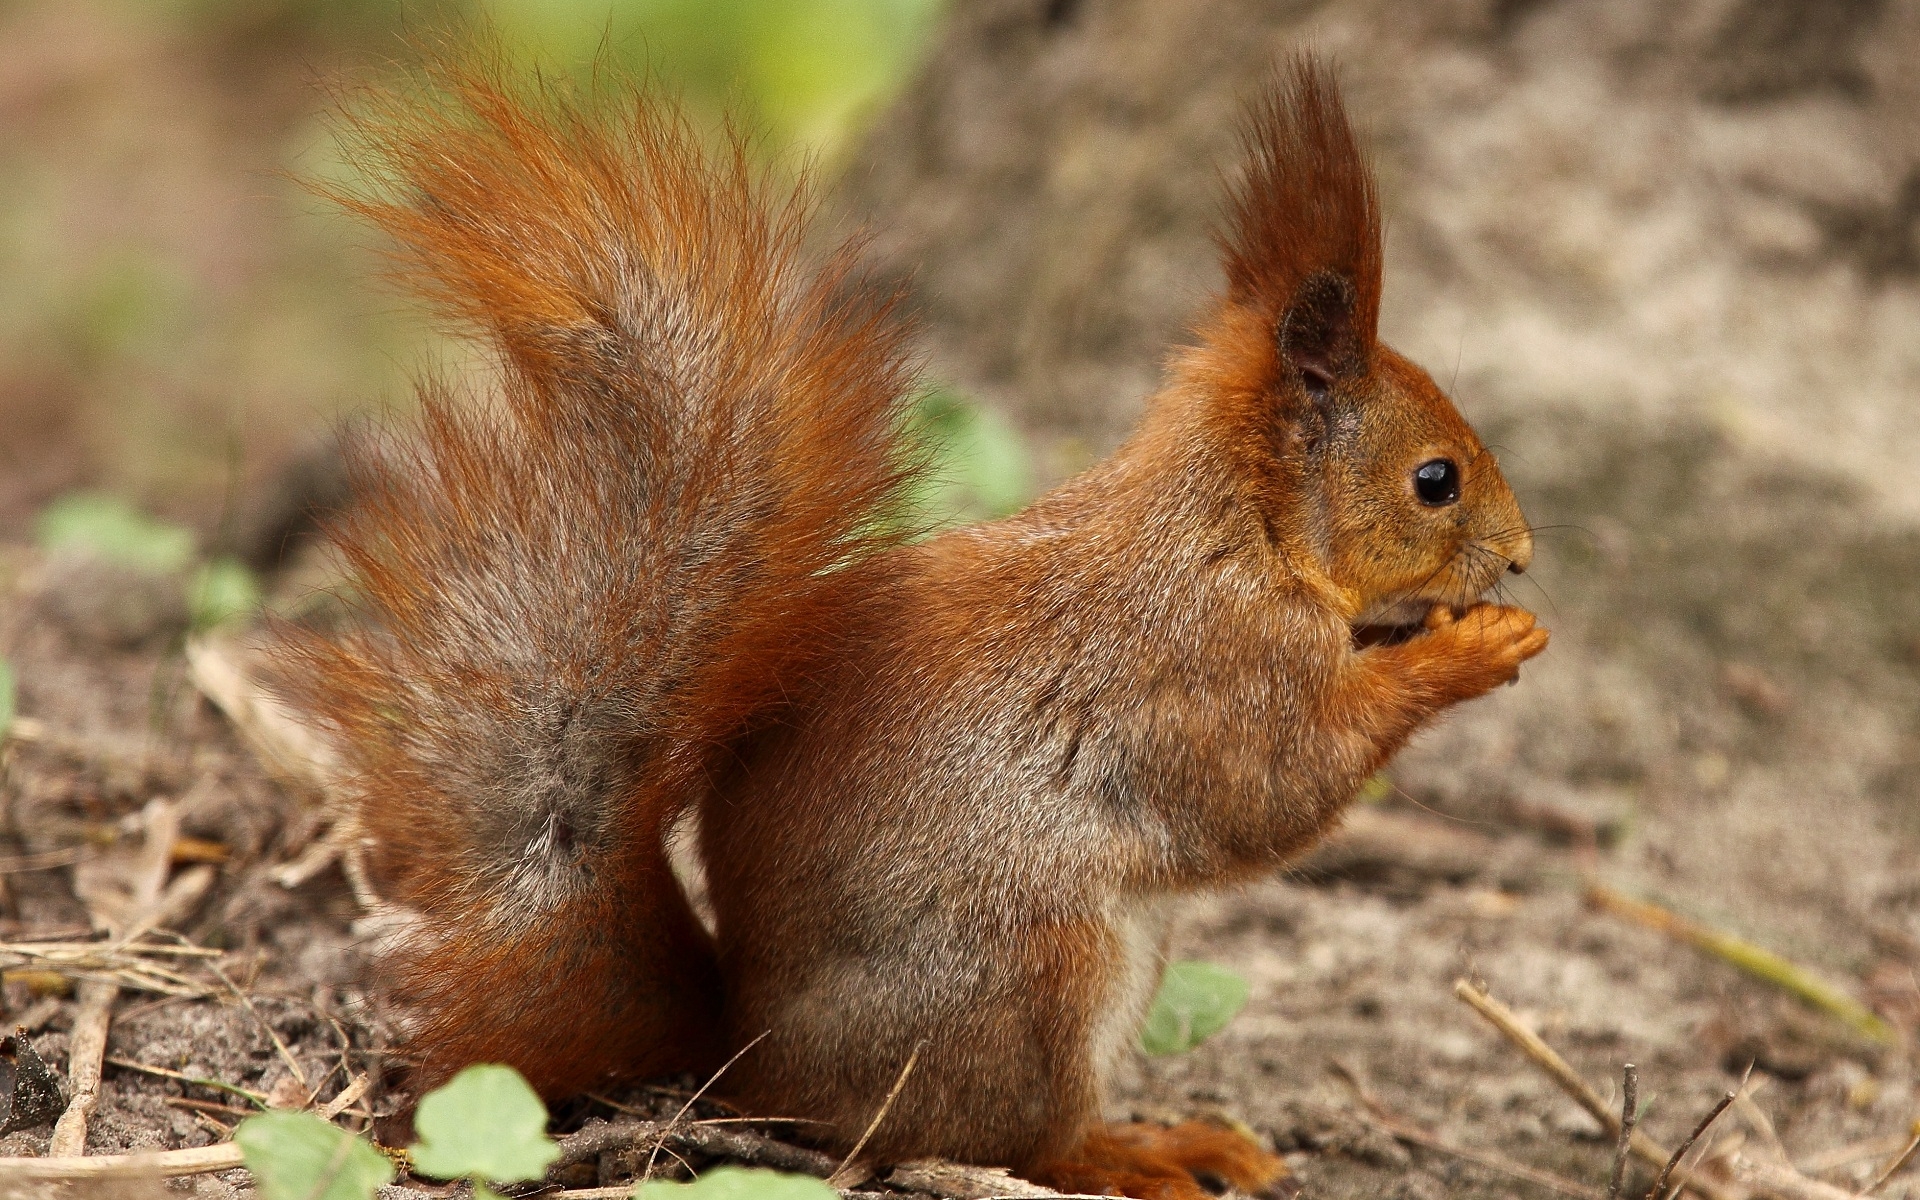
(1151, 1162)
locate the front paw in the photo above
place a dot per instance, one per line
(1478, 651)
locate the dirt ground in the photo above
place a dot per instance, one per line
(1668, 258)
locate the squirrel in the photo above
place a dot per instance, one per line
(946, 790)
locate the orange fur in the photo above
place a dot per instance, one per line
(946, 791)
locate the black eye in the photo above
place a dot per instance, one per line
(1437, 482)
(1317, 382)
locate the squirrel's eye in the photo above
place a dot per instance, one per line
(1318, 383)
(1437, 482)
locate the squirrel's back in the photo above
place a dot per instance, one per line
(575, 591)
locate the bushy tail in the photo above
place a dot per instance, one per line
(575, 590)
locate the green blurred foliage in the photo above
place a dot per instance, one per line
(218, 590)
(803, 71)
(977, 465)
(298, 1156)
(485, 1123)
(113, 529)
(223, 590)
(9, 698)
(183, 317)
(739, 1183)
(1196, 1000)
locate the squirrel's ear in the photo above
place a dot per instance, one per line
(1317, 335)
(1302, 236)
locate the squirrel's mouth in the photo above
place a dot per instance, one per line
(1390, 624)
(1393, 622)
(1384, 635)
(1464, 581)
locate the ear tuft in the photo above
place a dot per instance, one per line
(1302, 237)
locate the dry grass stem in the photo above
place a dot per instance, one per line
(127, 1064)
(95, 955)
(1898, 1165)
(846, 1175)
(130, 967)
(1757, 961)
(349, 1095)
(1785, 1182)
(1846, 1156)
(289, 750)
(1543, 1056)
(43, 861)
(206, 1106)
(1757, 1120)
(286, 1055)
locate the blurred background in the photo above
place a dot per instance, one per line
(182, 319)
(1665, 253)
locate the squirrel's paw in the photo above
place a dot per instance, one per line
(1151, 1163)
(1485, 646)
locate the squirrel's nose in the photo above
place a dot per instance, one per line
(1520, 552)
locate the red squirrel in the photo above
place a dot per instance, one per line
(947, 789)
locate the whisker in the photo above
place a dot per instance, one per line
(1545, 596)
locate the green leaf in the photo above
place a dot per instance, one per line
(486, 1122)
(9, 698)
(298, 1156)
(1195, 1001)
(739, 1183)
(114, 530)
(223, 590)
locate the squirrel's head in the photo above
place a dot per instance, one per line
(1353, 453)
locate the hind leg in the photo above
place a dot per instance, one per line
(1150, 1162)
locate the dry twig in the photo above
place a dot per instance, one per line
(1629, 1115)
(1659, 1191)
(1401, 1129)
(84, 1057)
(1556, 1068)
(165, 1164)
(699, 1092)
(349, 1095)
(144, 877)
(738, 1145)
(956, 1181)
